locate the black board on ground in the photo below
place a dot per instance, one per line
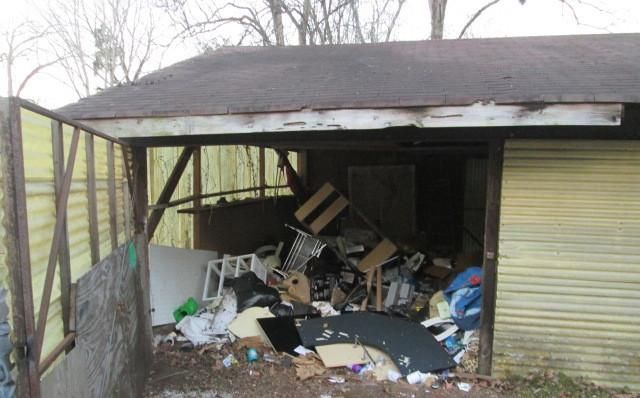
(410, 345)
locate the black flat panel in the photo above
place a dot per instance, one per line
(410, 345)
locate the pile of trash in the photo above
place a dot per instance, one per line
(353, 300)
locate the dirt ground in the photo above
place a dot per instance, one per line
(200, 373)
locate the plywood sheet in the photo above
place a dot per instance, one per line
(110, 327)
(176, 274)
(68, 379)
(386, 195)
(378, 255)
(314, 201)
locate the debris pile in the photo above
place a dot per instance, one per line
(354, 300)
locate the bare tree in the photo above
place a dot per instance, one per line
(437, 10)
(571, 5)
(279, 22)
(102, 43)
(24, 43)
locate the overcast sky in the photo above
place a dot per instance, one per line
(510, 18)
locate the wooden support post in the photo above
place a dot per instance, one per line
(262, 170)
(141, 241)
(61, 213)
(111, 191)
(365, 302)
(167, 191)
(64, 258)
(197, 191)
(192, 198)
(64, 345)
(94, 232)
(128, 211)
(17, 243)
(490, 272)
(126, 159)
(378, 288)
(303, 167)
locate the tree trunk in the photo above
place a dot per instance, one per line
(437, 8)
(304, 24)
(9, 78)
(276, 14)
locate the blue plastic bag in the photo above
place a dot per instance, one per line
(464, 296)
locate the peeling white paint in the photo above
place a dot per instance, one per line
(475, 115)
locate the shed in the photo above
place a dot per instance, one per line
(525, 147)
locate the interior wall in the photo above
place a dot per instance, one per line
(224, 168)
(241, 227)
(439, 187)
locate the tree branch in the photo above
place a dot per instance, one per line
(34, 72)
(477, 14)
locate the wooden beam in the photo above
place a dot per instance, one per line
(128, 212)
(141, 242)
(67, 342)
(73, 299)
(111, 192)
(262, 170)
(18, 257)
(168, 190)
(489, 271)
(302, 166)
(474, 115)
(378, 288)
(61, 213)
(126, 155)
(71, 122)
(192, 198)
(139, 190)
(92, 199)
(64, 258)
(197, 191)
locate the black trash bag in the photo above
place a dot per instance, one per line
(296, 309)
(281, 309)
(252, 292)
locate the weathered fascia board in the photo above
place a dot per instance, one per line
(475, 115)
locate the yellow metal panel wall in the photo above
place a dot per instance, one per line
(38, 166)
(4, 271)
(38, 157)
(569, 266)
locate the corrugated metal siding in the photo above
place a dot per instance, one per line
(4, 271)
(41, 216)
(569, 266)
(36, 132)
(224, 168)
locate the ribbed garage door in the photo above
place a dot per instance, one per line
(569, 267)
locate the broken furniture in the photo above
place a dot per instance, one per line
(231, 267)
(410, 345)
(303, 249)
(324, 206)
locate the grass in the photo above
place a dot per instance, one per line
(558, 385)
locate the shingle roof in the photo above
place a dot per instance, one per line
(552, 69)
